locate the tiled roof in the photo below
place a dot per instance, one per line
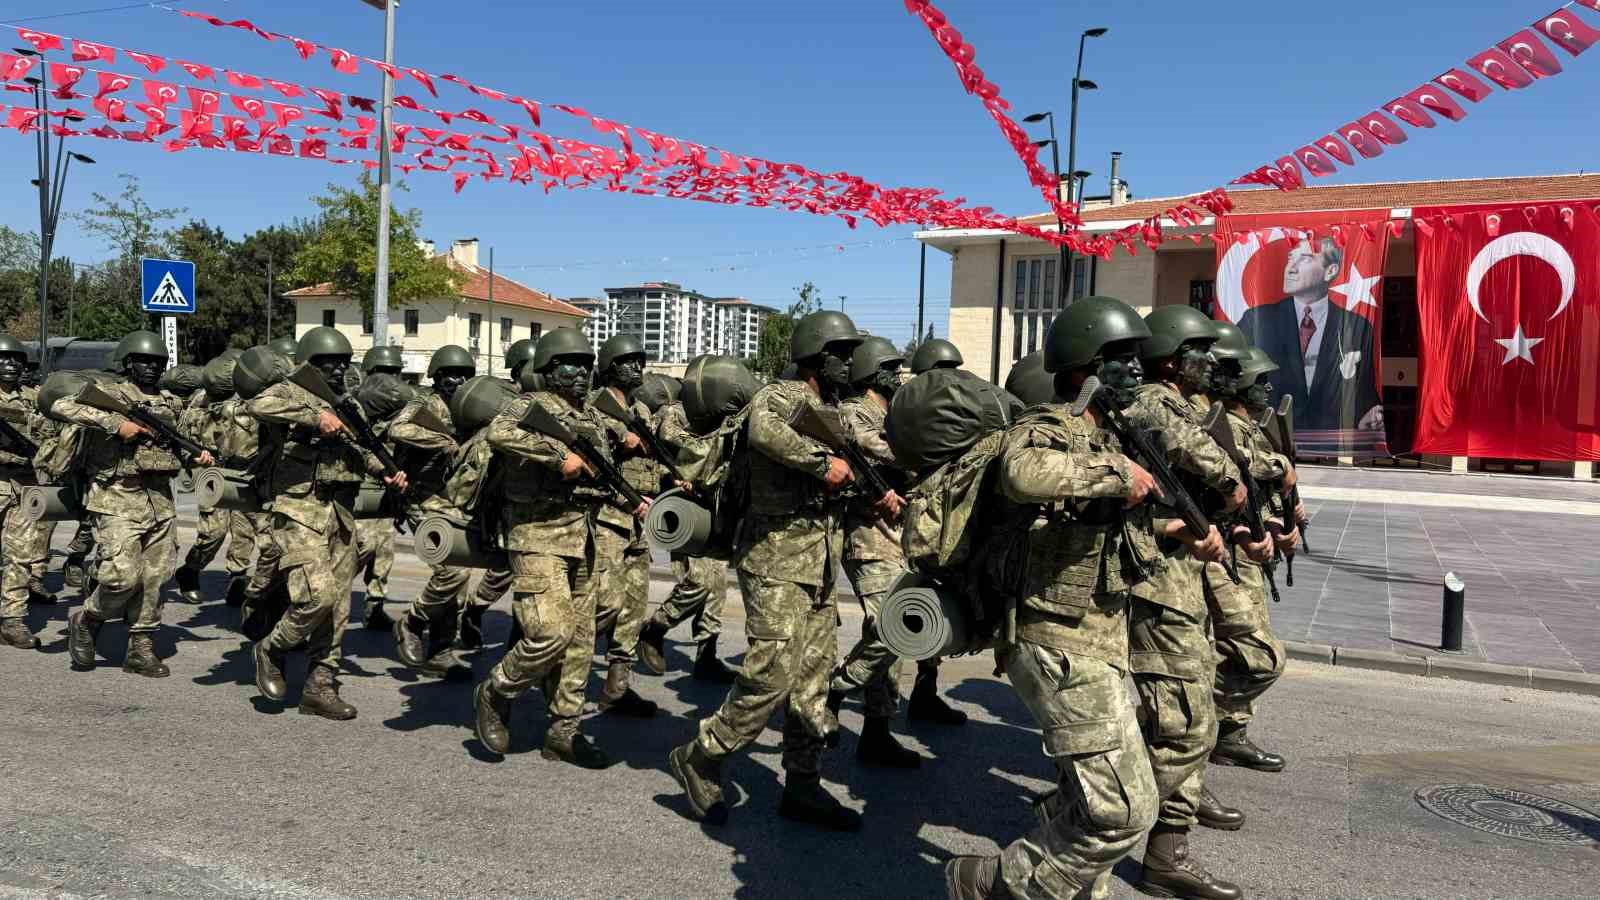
(1388, 195)
(476, 287)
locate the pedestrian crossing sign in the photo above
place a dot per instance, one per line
(167, 286)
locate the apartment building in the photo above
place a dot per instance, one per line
(675, 324)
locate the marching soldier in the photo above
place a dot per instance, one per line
(202, 421)
(935, 354)
(1073, 517)
(19, 538)
(316, 475)
(375, 537)
(1170, 639)
(549, 539)
(130, 501)
(791, 542)
(426, 455)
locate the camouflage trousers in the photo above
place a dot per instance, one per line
(137, 556)
(24, 555)
(700, 592)
(319, 571)
(1106, 796)
(445, 594)
(45, 532)
(216, 526)
(869, 664)
(266, 567)
(1170, 654)
(1249, 657)
(554, 604)
(793, 634)
(375, 555)
(622, 592)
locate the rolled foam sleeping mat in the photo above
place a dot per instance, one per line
(678, 524)
(442, 542)
(369, 503)
(52, 503)
(921, 619)
(218, 488)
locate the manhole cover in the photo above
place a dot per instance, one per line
(1512, 814)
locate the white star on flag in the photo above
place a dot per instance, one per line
(1518, 346)
(1357, 290)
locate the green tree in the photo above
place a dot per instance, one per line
(772, 353)
(344, 254)
(130, 228)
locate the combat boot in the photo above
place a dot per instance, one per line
(653, 647)
(188, 584)
(804, 800)
(708, 667)
(491, 717)
(832, 733)
(269, 672)
(878, 747)
(470, 635)
(141, 658)
(700, 776)
(72, 571)
(15, 633)
(447, 666)
(1213, 814)
(321, 696)
(574, 748)
(1234, 748)
(926, 705)
(236, 590)
(619, 699)
(37, 595)
(974, 878)
(411, 640)
(377, 619)
(1169, 871)
(83, 631)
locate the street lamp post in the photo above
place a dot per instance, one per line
(1055, 165)
(380, 288)
(1078, 83)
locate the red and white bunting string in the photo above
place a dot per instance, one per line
(1512, 64)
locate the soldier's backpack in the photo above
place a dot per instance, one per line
(382, 396)
(60, 456)
(475, 474)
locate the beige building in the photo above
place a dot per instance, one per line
(468, 320)
(1003, 285)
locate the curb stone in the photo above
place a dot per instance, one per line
(1443, 667)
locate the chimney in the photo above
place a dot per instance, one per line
(465, 252)
(1119, 190)
(428, 248)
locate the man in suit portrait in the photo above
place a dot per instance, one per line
(1326, 353)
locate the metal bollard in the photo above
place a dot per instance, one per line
(1455, 611)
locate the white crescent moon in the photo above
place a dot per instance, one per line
(1520, 243)
(1230, 272)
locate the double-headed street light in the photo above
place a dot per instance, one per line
(1079, 83)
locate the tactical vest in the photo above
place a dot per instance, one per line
(777, 489)
(109, 457)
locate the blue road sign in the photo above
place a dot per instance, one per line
(167, 286)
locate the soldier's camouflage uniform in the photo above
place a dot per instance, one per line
(239, 441)
(622, 555)
(202, 422)
(873, 559)
(547, 527)
(1249, 657)
(19, 538)
(130, 503)
(792, 539)
(375, 556)
(426, 456)
(314, 484)
(702, 583)
(1061, 484)
(1169, 634)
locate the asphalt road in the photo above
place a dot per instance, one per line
(116, 786)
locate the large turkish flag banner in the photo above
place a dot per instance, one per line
(1509, 305)
(1306, 288)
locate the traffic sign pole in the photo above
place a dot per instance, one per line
(169, 333)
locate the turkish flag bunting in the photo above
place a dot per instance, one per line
(41, 41)
(280, 145)
(1531, 53)
(1410, 112)
(110, 83)
(305, 48)
(204, 101)
(14, 67)
(83, 51)
(150, 61)
(198, 71)
(1291, 172)
(1363, 140)
(1592, 4)
(1335, 148)
(1430, 97)
(1383, 128)
(344, 61)
(64, 77)
(250, 106)
(288, 89)
(1567, 31)
(114, 109)
(241, 80)
(424, 79)
(1509, 336)
(1465, 84)
(286, 114)
(1501, 69)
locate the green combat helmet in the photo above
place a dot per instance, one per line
(936, 354)
(1081, 330)
(618, 346)
(450, 356)
(1029, 382)
(322, 341)
(872, 353)
(819, 329)
(559, 342)
(10, 345)
(383, 359)
(1231, 342)
(139, 343)
(1173, 326)
(1256, 364)
(284, 345)
(518, 355)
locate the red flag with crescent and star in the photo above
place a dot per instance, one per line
(1510, 326)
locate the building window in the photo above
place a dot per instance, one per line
(474, 326)
(505, 329)
(1033, 304)
(366, 322)
(413, 322)
(328, 318)
(534, 330)
(1080, 277)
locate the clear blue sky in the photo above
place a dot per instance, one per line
(1191, 93)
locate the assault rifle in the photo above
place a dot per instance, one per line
(539, 420)
(823, 424)
(1153, 458)
(1216, 425)
(163, 433)
(607, 402)
(14, 440)
(1281, 434)
(349, 413)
